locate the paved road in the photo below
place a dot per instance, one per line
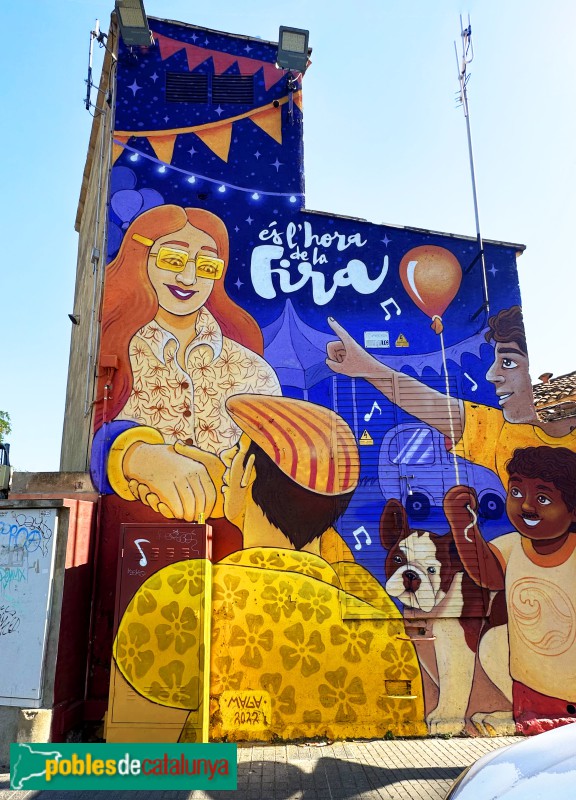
(409, 769)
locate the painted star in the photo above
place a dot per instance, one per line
(192, 151)
(247, 48)
(238, 283)
(206, 42)
(154, 77)
(166, 119)
(386, 240)
(257, 154)
(219, 110)
(277, 164)
(249, 220)
(236, 228)
(493, 270)
(135, 87)
(194, 37)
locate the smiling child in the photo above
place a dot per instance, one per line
(536, 567)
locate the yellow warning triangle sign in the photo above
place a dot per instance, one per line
(401, 341)
(366, 439)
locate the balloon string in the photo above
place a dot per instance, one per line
(449, 404)
(474, 516)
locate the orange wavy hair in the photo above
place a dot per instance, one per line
(130, 302)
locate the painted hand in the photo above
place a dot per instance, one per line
(214, 467)
(347, 357)
(461, 509)
(175, 485)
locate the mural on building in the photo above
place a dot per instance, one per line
(332, 397)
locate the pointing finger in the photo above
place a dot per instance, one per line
(340, 331)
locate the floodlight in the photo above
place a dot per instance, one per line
(292, 49)
(133, 23)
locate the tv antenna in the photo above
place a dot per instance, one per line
(101, 38)
(463, 78)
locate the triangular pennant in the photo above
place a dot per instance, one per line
(272, 75)
(168, 46)
(117, 148)
(217, 139)
(197, 55)
(163, 146)
(248, 66)
(222, 61)
(271, 122)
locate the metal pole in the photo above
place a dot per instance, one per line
(467, 57)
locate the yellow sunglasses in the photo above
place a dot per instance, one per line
(174, 260)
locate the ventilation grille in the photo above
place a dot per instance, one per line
(233, 89)
(182, 87)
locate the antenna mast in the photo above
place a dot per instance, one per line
(93, 35)
(463, 78)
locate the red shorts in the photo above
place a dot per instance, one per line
(535, 712)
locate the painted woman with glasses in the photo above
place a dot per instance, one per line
(174, 348)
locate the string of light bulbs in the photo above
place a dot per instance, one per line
(193, 177)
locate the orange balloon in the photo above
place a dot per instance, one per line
(431, 275)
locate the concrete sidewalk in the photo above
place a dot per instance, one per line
(409, 769)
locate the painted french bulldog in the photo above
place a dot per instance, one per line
(444, 610)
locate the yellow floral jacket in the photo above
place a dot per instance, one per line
(286, 661)
(191, 405)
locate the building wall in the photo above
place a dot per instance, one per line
(91, 226)
(359, 363)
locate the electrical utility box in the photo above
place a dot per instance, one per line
(145, 549)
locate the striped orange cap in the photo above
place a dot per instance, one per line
(310, 444)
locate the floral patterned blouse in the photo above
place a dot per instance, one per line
(285, 659)
(190, 404)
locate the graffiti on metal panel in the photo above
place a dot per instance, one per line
(9, 620)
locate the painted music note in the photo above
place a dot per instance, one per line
(472, 381)
(390, 302)
(368, 416)
(356, 534)
(143, 561)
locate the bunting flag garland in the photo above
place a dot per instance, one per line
(192, 177)
(222, 61)
(215, 135)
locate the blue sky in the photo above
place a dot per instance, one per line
(384, 141)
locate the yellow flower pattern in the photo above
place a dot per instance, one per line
(190, 404)
(277, 628)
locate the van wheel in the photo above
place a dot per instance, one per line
(491, 506)
(418, 506)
